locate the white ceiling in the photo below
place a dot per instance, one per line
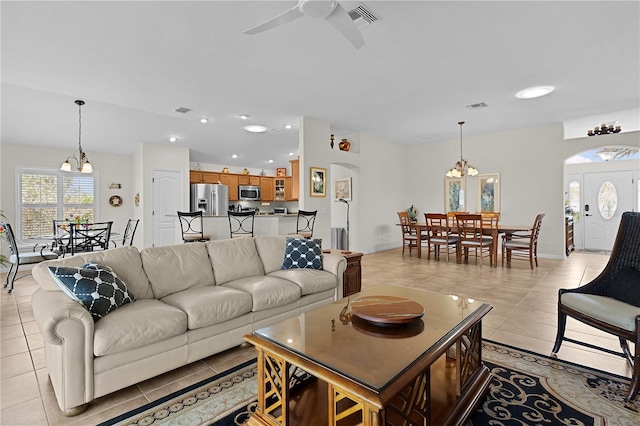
(134, 63)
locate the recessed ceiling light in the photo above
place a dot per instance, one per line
(173, 139)
(243, 116)
(288, 126)
(234, 156)
(534, 92)
(256, 129)
(270, 161)
(204, 120)
(291, 153)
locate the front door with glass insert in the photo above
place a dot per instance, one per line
(607, 195)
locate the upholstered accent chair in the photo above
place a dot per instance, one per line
(611, 302)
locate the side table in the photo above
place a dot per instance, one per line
(352, 277)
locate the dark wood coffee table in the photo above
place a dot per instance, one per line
(371, 374)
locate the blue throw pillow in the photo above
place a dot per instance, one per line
(625, 286)
(95, 286)
(302, 253)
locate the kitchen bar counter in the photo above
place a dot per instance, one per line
(217, 227)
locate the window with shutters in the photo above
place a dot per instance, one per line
(45, 195)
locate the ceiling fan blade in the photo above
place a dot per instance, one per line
(342, 22)
(288, 16)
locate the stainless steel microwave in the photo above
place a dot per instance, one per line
(249, 192)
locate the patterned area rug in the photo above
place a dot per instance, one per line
(527, 389)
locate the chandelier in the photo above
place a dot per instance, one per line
(603, 130)
(82, 162)
(462, 167)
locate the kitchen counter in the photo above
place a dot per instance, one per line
(217, 227)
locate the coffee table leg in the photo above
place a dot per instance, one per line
(274, 374)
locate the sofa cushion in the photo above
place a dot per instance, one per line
(95, 286)
(310, 281)
(210, 305)
(234, 258)
(625, 286)
(271, 251)
(175, 268)
(125, 261)
(302, 253)
(137, 324)
(267, 292)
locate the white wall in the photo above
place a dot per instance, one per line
(168, 158)
(108, 168)
(531, 166)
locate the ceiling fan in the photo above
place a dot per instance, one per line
(330, 11)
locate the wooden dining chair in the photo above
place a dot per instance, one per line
(409, 234)
(490, 221)
(440, 235)
(470, 234)
(522, 246)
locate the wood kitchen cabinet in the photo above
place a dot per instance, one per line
(232, 182)
(279, 189)
(197, 176)
(248, 180)
(266, 185)
(295, 179)
(287, 188)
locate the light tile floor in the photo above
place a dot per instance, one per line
(524, 315)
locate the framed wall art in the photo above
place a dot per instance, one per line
(281, 171)
(318, 181)
(454, 193)
(488, 192)
(342, 189)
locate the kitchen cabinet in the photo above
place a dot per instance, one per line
(266, 185)
(287, 188)
(279, 189)
(197, 176)
(232, 182)
(248, 180)
(295, 179)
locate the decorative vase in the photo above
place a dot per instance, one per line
(225, 170)
(245, 172)
(345, 145)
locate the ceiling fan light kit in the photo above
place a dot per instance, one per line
(330, 11)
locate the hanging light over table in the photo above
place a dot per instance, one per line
(83, 163)
(462, 167)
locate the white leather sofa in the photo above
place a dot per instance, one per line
(191, 301)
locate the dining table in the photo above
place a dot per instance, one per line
(421, 227)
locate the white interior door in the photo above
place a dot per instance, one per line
(167, 200)
(607, 195)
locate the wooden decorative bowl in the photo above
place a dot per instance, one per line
(387, 309)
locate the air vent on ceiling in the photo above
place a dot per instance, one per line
(183, 110)
(362, 16)
(479, 105)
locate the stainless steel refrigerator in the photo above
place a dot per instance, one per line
(210, 198)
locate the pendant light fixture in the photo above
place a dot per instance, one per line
(84, 166)
(462, 167)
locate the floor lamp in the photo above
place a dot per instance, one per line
(342, 200)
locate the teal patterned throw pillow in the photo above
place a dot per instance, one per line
(95, 286)
(302, 253)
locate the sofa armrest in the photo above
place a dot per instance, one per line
(335, 264)
(67, 330)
